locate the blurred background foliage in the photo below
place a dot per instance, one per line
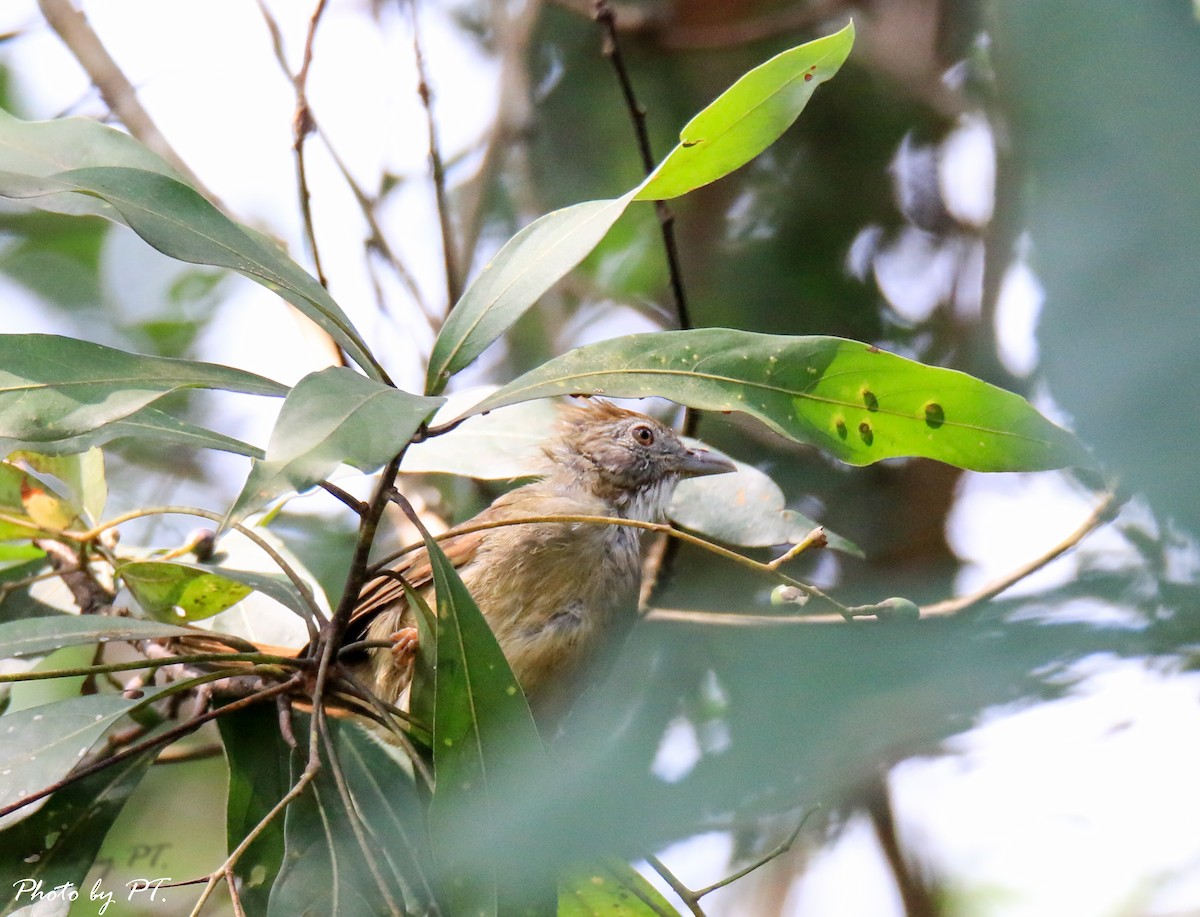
(1077, 196)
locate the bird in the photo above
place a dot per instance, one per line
(557, 595)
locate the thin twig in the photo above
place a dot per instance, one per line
(611, 48)
(191, 659)
(692, 898)
(449, 250)
(71, 25)
(684, 893)
(226, 869)
(357, 506)
(166, 737)
(1104, 512)
(659, 527)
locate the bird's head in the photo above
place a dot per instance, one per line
(628, 459)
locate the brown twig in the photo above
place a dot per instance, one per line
(449, 251)
(162, 738)
(303, 123)
(661, 555)
(1103, 512)
(691, 898)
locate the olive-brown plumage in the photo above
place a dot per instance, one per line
(554, 593)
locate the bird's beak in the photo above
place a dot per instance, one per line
(698, 462)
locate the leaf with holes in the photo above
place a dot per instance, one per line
(857, 402)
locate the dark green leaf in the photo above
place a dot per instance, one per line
(480, 719)
(748, 117)
(59, 843)
(525, 268)
(42, 744)
(330, 417)
(54, 388)
(259, 776)
(857, 402)
(36, 636)
(367, 859)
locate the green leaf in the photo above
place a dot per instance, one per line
(857, 402)
(170, 215)
(330, 417)
(59, 843)
(165, 588)
(35, 636)
(150, 423)
(173, 591)
(480, 719)
(361, 855)
(525, 268)
(748, 117)
(259, 776)
(42, 148)
(42, 744)
(744, 508)
(611, 888)
(54, 388)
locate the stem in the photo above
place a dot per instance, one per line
(662, 528)
(89, 670)
(449, 251)
(1104, 511)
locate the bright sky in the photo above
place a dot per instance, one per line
(1085, 806)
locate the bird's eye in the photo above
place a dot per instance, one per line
(643, 434)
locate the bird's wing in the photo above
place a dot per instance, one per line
(386, 591)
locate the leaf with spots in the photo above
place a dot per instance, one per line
(609, 889)
(41, 745)
(59, 842)
(857, 402)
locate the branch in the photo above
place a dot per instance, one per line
(71, 25)
(770, 568)
(449, 252)
(692, 898)
(1103, 513)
